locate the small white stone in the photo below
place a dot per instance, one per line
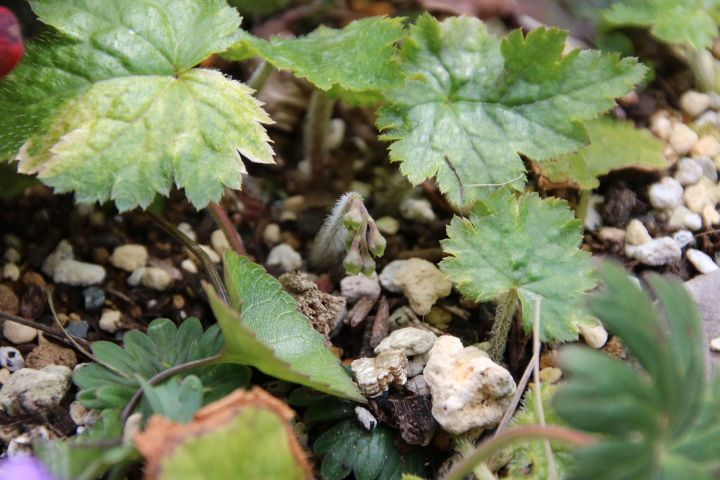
(17, 333)
(77, 412)
(689, 172)
(595, 336)
(156, 278)
(271, 234)
(694, 103)
(366, 418)
(411, 340)
(708, 166)
(189, 266)
(423, 284)
(666, 194)
(387, 225)
(468, 389)
(612, 234)
(660, 251)
(73, 272)
(710, 215)
(63, 251)
(683, 238)
(707, 146)
(12, 255)
(374, 375)
(418, 385)
(714, 100)
(4, 375)
(34, 392)
(715, 344)
(11, 359)
(219, 242)
(135, 278)
(284, 258)
(708, 118)
(682, 217)
(636, 233)
(214, 257)
(701, 261)
(682, 139)
(110, 321)
(704, 193)
(335, 133)
(187, 229)
(660, 125)
(129, 257)
(388, 274)
(355, 287)
(417, 210)
(11, 272)
(593, 219)
(417, 364)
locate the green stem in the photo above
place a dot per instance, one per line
(191, 245)
(702, 65)
(504, 315)
(223, 221)
(583, 205)
(165, 374)
(486, 449)
(314, 135)
(260, 76)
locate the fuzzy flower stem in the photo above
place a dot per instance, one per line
(315, 132)
(223, 221)
(504, 314)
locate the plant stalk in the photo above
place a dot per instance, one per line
(260, 76)
(223, 221)
(191, 245)
(164, 375)
(504, 315)
(486, 449)
(6, 317)
(315, 132)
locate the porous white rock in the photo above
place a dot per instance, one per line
(110, 321)
(636, 233)
(694, 103)
(355, 287)
(63, 251)
(423, 284)
(682, 217)
(688, 172)
(411, 340)
(468, 389)
(659, 251)
(129, 257)
(219, 242)
(701, 261)
(666, 194)
(17, 333)
(34, 392)
(416, 365)
(284, 258)
(388, 274)
(156, 278)
(374, 375)
(682, 138)
(417, 210)
(595, 336)
(707, 146)
(702, 194)
(683, 238)
(74, 272)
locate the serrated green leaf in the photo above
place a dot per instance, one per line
(112, 109)
(264, 329)
(660, 420)
(144, 356)
(359, 58)
(609, 150)
(175, 399)
(526, 244)
(672, 21)
(471, 103)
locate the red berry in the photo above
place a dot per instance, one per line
(11, 43)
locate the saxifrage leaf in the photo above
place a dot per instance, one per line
(660, 420)
(472, 103)
(672, 21)
(613, 145)
(526, 244)
(264, 329)
(358, 58)
(111, 108)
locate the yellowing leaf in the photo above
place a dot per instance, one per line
(471, 103)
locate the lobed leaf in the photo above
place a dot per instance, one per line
(693, 22)
(264, 329)
(360, 58)
(608, 151)
(660, 420)
(111, 108)
(472, 103)
(525, 244)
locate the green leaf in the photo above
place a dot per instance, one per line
(349, 448)
(607, 151)
(672, 21)
(471, 103)
(144, 356)
(264, 329)
(175, 399)
(90, 454)
(358, 58)
(529, 460)
(528, 245)
(111, 108)
(659, 420)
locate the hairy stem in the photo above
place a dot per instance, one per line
(315, 132)
(504, 315)
(223, 221)
(486, 449)
(260, 76)
(164, 375)
(191, 245)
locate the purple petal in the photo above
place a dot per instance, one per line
(25, 467)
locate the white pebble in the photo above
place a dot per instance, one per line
(284, 258)
(701, 261)
(660, 125)
(707, 146)
(387, 225)
(73, 272)
(666, 194)
(63, 251)
(593, 219)
(110, 321)
(156, 278)
(704, 193)
(411, 340)
(715, 344)
(187, 229)
(417, 210)
(11, 358)
(682, 217)
(710, 215)
(189, 266)
(612, 234)
(366, 418)
(214, 257)
(129, 257)
(355, 287)
(636, 233)
(682, 139)
(683, 238)
(708, 166)
(595, 336)
(12, 255)
(135, 278)
(219, 242)
(689, 172)
(11, 272)
(694, 103)
(17, 333)
(708, 118)
(271, 234)
(660, 251)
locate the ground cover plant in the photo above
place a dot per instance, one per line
(490, 139)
